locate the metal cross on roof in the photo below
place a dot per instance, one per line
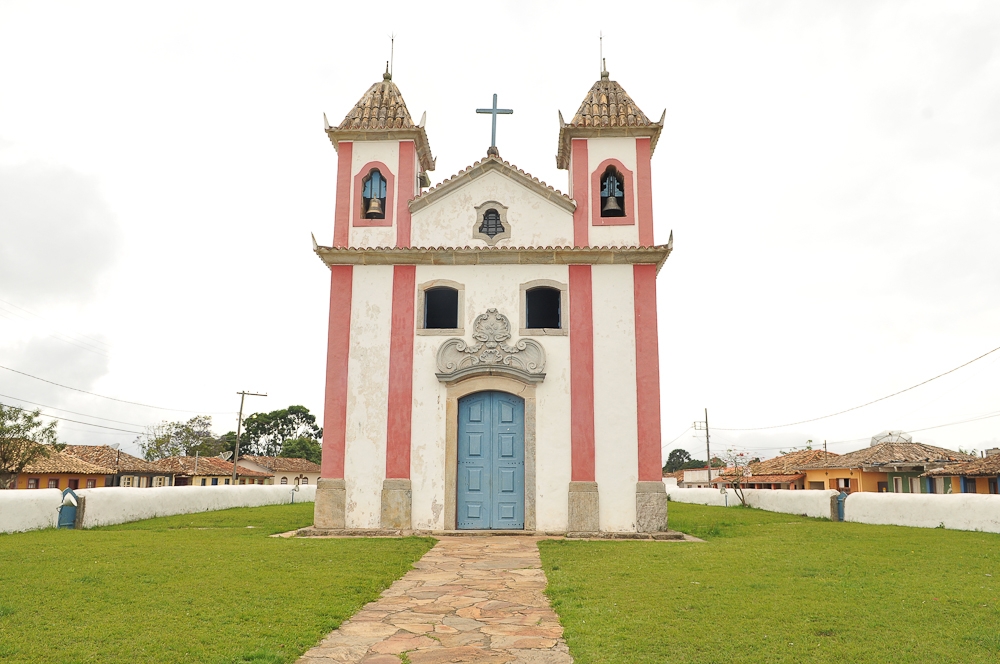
(494, 112)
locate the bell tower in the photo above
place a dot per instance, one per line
(383, 159)
(607, 148)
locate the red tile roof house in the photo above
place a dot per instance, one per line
(285, 471)
(208, 471)
(129, 471)
(781, 472)
(60, 470)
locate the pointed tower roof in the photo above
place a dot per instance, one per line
(381, 114)
(607, 110)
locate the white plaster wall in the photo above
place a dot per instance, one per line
(363, 152)
(22, 510)
(961, 511)
(491, 287)
(622, 149)
(533, 220)
(615, 425)
(806, 503)
(368, 393)
(108, 506)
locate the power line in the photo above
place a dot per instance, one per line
(66, 419)
(815, 419)
(62, 337)
(676, 439)
(103, 343)
(73, 412)
(94, 394)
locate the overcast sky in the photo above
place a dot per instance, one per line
(830, 170)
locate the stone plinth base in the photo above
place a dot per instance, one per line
(584, 508)
(397, 499)
(331, 504)
(650, 507)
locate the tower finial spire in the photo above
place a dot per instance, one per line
(387, 76)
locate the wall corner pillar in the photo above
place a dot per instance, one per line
(584, 508)
(650, 507)
(397, 504)
(330, 510)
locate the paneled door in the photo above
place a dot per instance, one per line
(490, 462)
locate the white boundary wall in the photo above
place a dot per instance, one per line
(30, 510)
(806, 503)
(965, 511)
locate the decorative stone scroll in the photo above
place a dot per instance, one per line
(489, 354)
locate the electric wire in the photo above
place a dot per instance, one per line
(133, 403)
(64, 337)
(66, 419)
(889, 396)
(11, 304)
(72, 412)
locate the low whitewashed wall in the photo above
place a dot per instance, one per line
(965, 511)
(29, 510)
(806, 503)
(112, 505)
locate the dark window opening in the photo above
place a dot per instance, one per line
(612, 193)
(491, 226)
(373, 195)
(543, 307)
(440, 308)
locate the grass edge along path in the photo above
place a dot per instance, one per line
(768, 587)
(196, 587)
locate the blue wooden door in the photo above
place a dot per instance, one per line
(490, 462)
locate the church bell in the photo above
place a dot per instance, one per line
(611, 207)
(374, 208)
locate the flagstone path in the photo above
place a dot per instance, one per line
(470, 599)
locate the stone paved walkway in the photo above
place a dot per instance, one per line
(470, 599)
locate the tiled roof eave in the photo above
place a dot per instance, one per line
(418, 134)
(655, 255)
(568, 132)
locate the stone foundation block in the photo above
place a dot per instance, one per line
(397, 501)
(330, 512)
(584, 508)
(650, 507)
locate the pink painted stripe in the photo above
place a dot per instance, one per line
(644, 182)
(581, 363)
(397, 449)
(647, 373)
(581, 219)
(342, 215)
(338, 350)
(407, 190)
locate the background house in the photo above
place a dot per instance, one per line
(781, 472)
(207, 471)
(285, 471)
(129, 471)
(979, 476)
(891, 463)
(60, 470)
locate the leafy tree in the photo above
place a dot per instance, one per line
(695, 464)
(302, 448)
(23, 440)
(180, 439)
(265, 433)
(737, 474)
(676, 460)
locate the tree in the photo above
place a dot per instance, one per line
(302, 448)
(23, 440)
(738, 473)
(265, 433)
(676, 460)
(168, 439)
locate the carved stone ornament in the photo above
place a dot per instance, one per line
(489, 354)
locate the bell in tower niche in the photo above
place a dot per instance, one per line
(374, 210)
(611, 207)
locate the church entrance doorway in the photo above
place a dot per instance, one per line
(490, 492)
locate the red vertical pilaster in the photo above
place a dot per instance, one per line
(647, 374)
(342, 215)
(406, 183)
(581, 178)
(644, 185)
(338, 350)
(397, 449)
(581, 361)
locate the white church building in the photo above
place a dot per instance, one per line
(492, 358)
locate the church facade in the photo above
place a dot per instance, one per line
(493, 358)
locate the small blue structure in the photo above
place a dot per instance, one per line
(67, 511)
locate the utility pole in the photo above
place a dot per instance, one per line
(239, 427)
(698, 427)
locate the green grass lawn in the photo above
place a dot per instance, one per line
(769, 587)
(210, 587)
